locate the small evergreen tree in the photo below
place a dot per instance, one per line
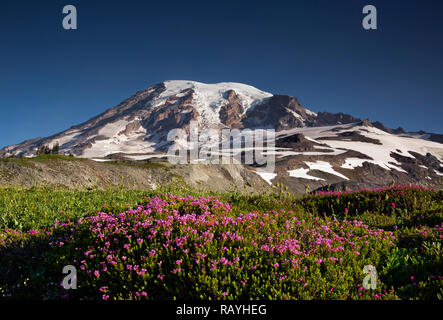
(41, 150)
(55, 148)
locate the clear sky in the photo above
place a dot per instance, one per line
(317, 51)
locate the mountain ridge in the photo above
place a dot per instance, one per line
(314, 149)
(243, 107)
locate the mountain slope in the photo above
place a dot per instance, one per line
(56, 170)
(355, 155)
(313, 149)
(140, 124)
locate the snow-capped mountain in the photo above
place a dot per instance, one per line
(338, 147)
(140, 124)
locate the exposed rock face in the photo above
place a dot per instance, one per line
(428, 161)
(380, 126)
(296, 142)
(351, 136)
(436, 137)
(176, 112)
(327, 119)
(231, 113)
(131, 128)
(280, 113)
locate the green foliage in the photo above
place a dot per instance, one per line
(45, 150)
(130, 244)
(37, 208)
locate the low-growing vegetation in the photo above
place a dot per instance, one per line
(181, 244)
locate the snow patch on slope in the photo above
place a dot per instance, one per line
(267, 176)
(303, 173)
(325, 167)
(116, 141)
(145, 157)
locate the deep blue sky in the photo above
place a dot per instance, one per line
(317, 51)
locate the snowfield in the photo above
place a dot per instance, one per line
(209, 98)
(325, 167)
(303, 174)
(379, 154)
(267, 176)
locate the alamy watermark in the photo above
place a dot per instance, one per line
(370, 281)
(370, 20)
(70, 281)
(225, 146)
(70, 20)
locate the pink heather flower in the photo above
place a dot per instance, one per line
(97, 273)
(105, 297)
(224, 294)
(152, 252)
(103, 289)
(139, 240)
(393, 205)
(161, 276)
(142, 293)
(178, 262)
(177, 270)
(275, 265)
